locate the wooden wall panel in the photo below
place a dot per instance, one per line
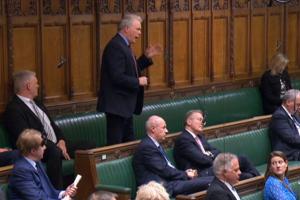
(2, 72)
(200, 50)
(82, 55)
(107, 32)
(275, 39)
(241, 46)
(258, 45)
(54, 76)
(293, 35)
(25, 45)
(181, 52)
(220, 48)
(157, 72)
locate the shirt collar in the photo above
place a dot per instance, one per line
(31, 162)
(124, 38)
(194, 135)
(153, 140)
(289, 114)
(24, 99)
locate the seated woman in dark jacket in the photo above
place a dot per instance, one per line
(274, 83)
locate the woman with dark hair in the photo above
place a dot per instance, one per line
(274, 83)
(277, 186)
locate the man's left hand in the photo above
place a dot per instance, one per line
(153, 50)
(62, 145)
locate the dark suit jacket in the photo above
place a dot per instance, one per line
(150, 165)
(26, 183)
(219, 191)
(284, 135)
(120, 93)
(187, 153)
(18, 117)
(270, 90)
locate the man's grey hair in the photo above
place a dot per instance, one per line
(21, 78)
(290, 95)
(127, 21)
(102, 195)
(189, 114)
(223, 163)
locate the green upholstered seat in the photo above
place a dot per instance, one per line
(254, 144)
(117, 173)
(89, 126)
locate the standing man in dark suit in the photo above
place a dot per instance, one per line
(23, 112)
(191, 149)
(284, 128)
(122, 85)
(227, 173)
(29, 180)
(150, 163)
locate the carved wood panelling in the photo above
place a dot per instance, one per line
(54, 76)
(22, 7)
(110, 6)
(293, 42)
(240, 3)
(258, 3)
(1, 8)
(241, 46)
(134, 6)
(258, 45)
(181, 5)
(57, 7)
(275, 34)
(82, 59)
(201, 5)
(157, 35)
(2, 74)
(157, 5)
(292, 3)
(82, 7)
(220, 4)
(25, 46)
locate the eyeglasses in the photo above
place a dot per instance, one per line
(280, 162)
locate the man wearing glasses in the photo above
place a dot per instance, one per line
(192, 150)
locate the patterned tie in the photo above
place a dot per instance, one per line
(41, 115)
(134, 60)
(201, 146)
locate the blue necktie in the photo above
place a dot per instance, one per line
(165, 156)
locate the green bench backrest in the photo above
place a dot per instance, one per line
(296, 83)
(4, 141)
(232, 105)
(219, 108)
(89, 126)
(254, 144)
(117, 172)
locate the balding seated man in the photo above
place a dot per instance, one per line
(28, 179)
(191, 149)
(284, 128)
(150, 163)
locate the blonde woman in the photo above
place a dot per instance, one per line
(152, 191)
(274, 83)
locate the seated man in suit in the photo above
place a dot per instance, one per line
(29, 180)
(150, 163)
(23, 112)
(227, 173)
(192, 150)
(284, 128)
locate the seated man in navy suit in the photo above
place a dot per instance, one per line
(29, 180)
(192, 150)
(284, 128)
(150, 163)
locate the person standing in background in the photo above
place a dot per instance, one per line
(121, 91)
